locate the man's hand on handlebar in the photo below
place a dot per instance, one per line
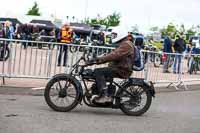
(91, 61)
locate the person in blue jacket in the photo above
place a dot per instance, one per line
(12, 30)
(167, 49)
(195, 51)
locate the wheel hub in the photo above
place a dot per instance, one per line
(63, 93)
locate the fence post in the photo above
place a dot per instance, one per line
(49, 62)
(181, 82)
(146, 70)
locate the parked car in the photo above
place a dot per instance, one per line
(195, 40)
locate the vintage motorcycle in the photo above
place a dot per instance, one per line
(65, 91)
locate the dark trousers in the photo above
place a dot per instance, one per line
(166, 63)
(102, 73)
(63, 50)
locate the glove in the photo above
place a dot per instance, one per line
(90, 61)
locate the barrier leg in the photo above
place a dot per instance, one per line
(3, 81)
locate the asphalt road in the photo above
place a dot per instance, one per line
(173, 112)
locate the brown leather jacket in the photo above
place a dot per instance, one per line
(121, 59)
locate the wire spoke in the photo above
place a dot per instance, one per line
(71, 95)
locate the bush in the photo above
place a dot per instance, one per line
(158, 45)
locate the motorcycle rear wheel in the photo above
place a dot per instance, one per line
(133, 102)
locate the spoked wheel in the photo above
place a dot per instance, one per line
(6, 54)
(136, 101)
(61, 94)
(73, 49)
(193, 67)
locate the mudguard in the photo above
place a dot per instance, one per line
(76, 82)
(139, 81)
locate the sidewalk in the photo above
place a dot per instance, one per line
(15, 86)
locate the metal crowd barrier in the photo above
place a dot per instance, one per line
(27, 59)
(40, 60)
(160, 69)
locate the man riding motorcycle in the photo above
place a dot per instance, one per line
(120, 65)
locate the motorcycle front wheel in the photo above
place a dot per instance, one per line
(62, 93)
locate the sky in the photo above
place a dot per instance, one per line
(144, 13)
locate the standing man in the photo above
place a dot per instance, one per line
(101, 38)
(66, 37)
(5, 34)
(167, 50)
(12, 30)
(179, 47)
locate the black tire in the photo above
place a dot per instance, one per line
(195, 67)
(40, 46)
(140, 112)
(73, 49)
(70, 81)
(192, 68)
(6, 54)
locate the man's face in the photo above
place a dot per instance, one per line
(181, 36)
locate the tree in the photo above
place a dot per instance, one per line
(110, 20)
(190, 32)
(34, 11)
(182, 28)
(73, 18)
(170, 28)
(154, 29)
(67, 18)
(113, 20)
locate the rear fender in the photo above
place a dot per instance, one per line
(139, 81)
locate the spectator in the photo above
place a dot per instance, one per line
(43, 33)
(35, 33)
(6, 31)
(5, 34)
(179, 47)
(194, 50)
(66, 37)
(58, 36)
(101, 38)
(167, 49)
(18, 32)
(11, 29)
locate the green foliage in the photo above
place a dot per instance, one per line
(170, 28)
(34, 11)
(110, 20)
(159, 45)
(155, 28)
(113, 20)
(190, 32)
